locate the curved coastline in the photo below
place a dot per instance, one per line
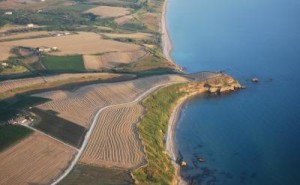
(167, 46)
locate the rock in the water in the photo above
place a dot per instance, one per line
(183, 164)
(254, 80)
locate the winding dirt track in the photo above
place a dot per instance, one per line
(145, 91)
(114, 142)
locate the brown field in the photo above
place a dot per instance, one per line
(110, 60)
(25, 35)
(138, 35)
(35, 160)
(109, 11)
(114, 142)
(92, 62)
(151, 20)
(113, 59)
(124, 19)
(82, 43)
(80, 106)
(9, 85)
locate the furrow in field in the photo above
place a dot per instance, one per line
(113, 142)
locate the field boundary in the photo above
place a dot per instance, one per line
(47, 135)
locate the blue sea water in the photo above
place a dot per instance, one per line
(252, 136)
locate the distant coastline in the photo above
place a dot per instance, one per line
(166, 41)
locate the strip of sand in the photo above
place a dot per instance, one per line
(166, 41)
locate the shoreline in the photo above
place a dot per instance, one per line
(171, 149)
(165, 37)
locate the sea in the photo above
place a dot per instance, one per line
(251, 136)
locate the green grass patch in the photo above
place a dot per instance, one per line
(64, 63)
(152, 130)
(10, 134)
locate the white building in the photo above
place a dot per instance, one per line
(30, 25)
(8, 13)
(4, 64)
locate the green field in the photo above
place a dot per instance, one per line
(10, 134)
(152, 130)
(64, 63)
(85, 174)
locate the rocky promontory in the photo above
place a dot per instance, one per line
(216, 84)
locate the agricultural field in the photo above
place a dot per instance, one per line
(59, 128)
(27, 4)
(92, 175)
(114, 141)
(93, 62)
(76, 44)
(63, 63)
(79, 106)
(117, 58)
(124, 19)
(35, 160)
(109, 11)
(10, 134)
(147, 63)
(12, 87)
(25, 35)
(129, 35)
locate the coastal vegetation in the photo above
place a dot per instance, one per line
(152, 129)
(153, 125)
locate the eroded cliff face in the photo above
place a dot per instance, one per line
(216, 85)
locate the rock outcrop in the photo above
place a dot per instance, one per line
(222, 84)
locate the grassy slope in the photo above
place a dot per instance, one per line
(152, 129)
(64, 63)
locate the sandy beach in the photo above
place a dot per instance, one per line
(166, 41)
(170, 139)
(170, 136)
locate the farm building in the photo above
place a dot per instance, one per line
(30, 25)
(8, 13)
